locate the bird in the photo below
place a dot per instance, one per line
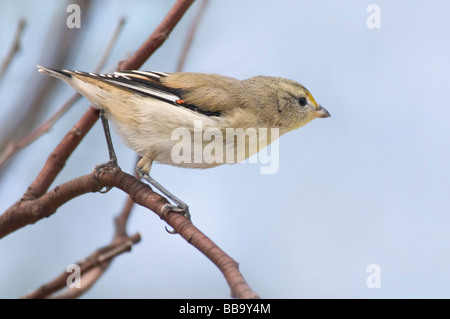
(147, 107)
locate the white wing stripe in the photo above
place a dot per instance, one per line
(160, 73)
(151, 74)
(149, 91)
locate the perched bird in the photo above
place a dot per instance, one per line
(148, 107)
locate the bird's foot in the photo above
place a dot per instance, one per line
(111, 164)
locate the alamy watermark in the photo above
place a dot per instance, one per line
(74, 279)
(74, 18)
(212, 146)
(374, 19)
(374, 279)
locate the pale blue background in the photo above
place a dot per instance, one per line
(370, 185)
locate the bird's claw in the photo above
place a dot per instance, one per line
(182, 209)
(110, 164)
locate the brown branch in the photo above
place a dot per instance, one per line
(15, 47)
(141, 194)
(57, 159)
(158, 37)
(88, 279)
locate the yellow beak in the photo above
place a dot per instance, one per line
(321, 112)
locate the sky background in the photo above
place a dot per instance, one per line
(370, 185)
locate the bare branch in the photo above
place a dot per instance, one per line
(158, 37)
(57, 159)
(15, 47)
(91, 269)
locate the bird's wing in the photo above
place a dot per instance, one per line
(208, 92)
(150, 83)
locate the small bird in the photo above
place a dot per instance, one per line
(148, 107)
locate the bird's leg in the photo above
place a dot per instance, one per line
(112, 154)
(143, 168)
(180, 207)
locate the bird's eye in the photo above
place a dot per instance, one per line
(302, 101)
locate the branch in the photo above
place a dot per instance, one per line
(90, 269)
(158, 37)
(141, 194)
(15, 47)
(57, 159)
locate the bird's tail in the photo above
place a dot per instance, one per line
(60, 74)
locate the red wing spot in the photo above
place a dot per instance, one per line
(179, 101)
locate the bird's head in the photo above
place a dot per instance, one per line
(291, 104)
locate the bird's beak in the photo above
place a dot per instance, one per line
(321, 112)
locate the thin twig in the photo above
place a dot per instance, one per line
(98, 260)
(190, 36)
(158, 37)
(16, 145)
(15, 47)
